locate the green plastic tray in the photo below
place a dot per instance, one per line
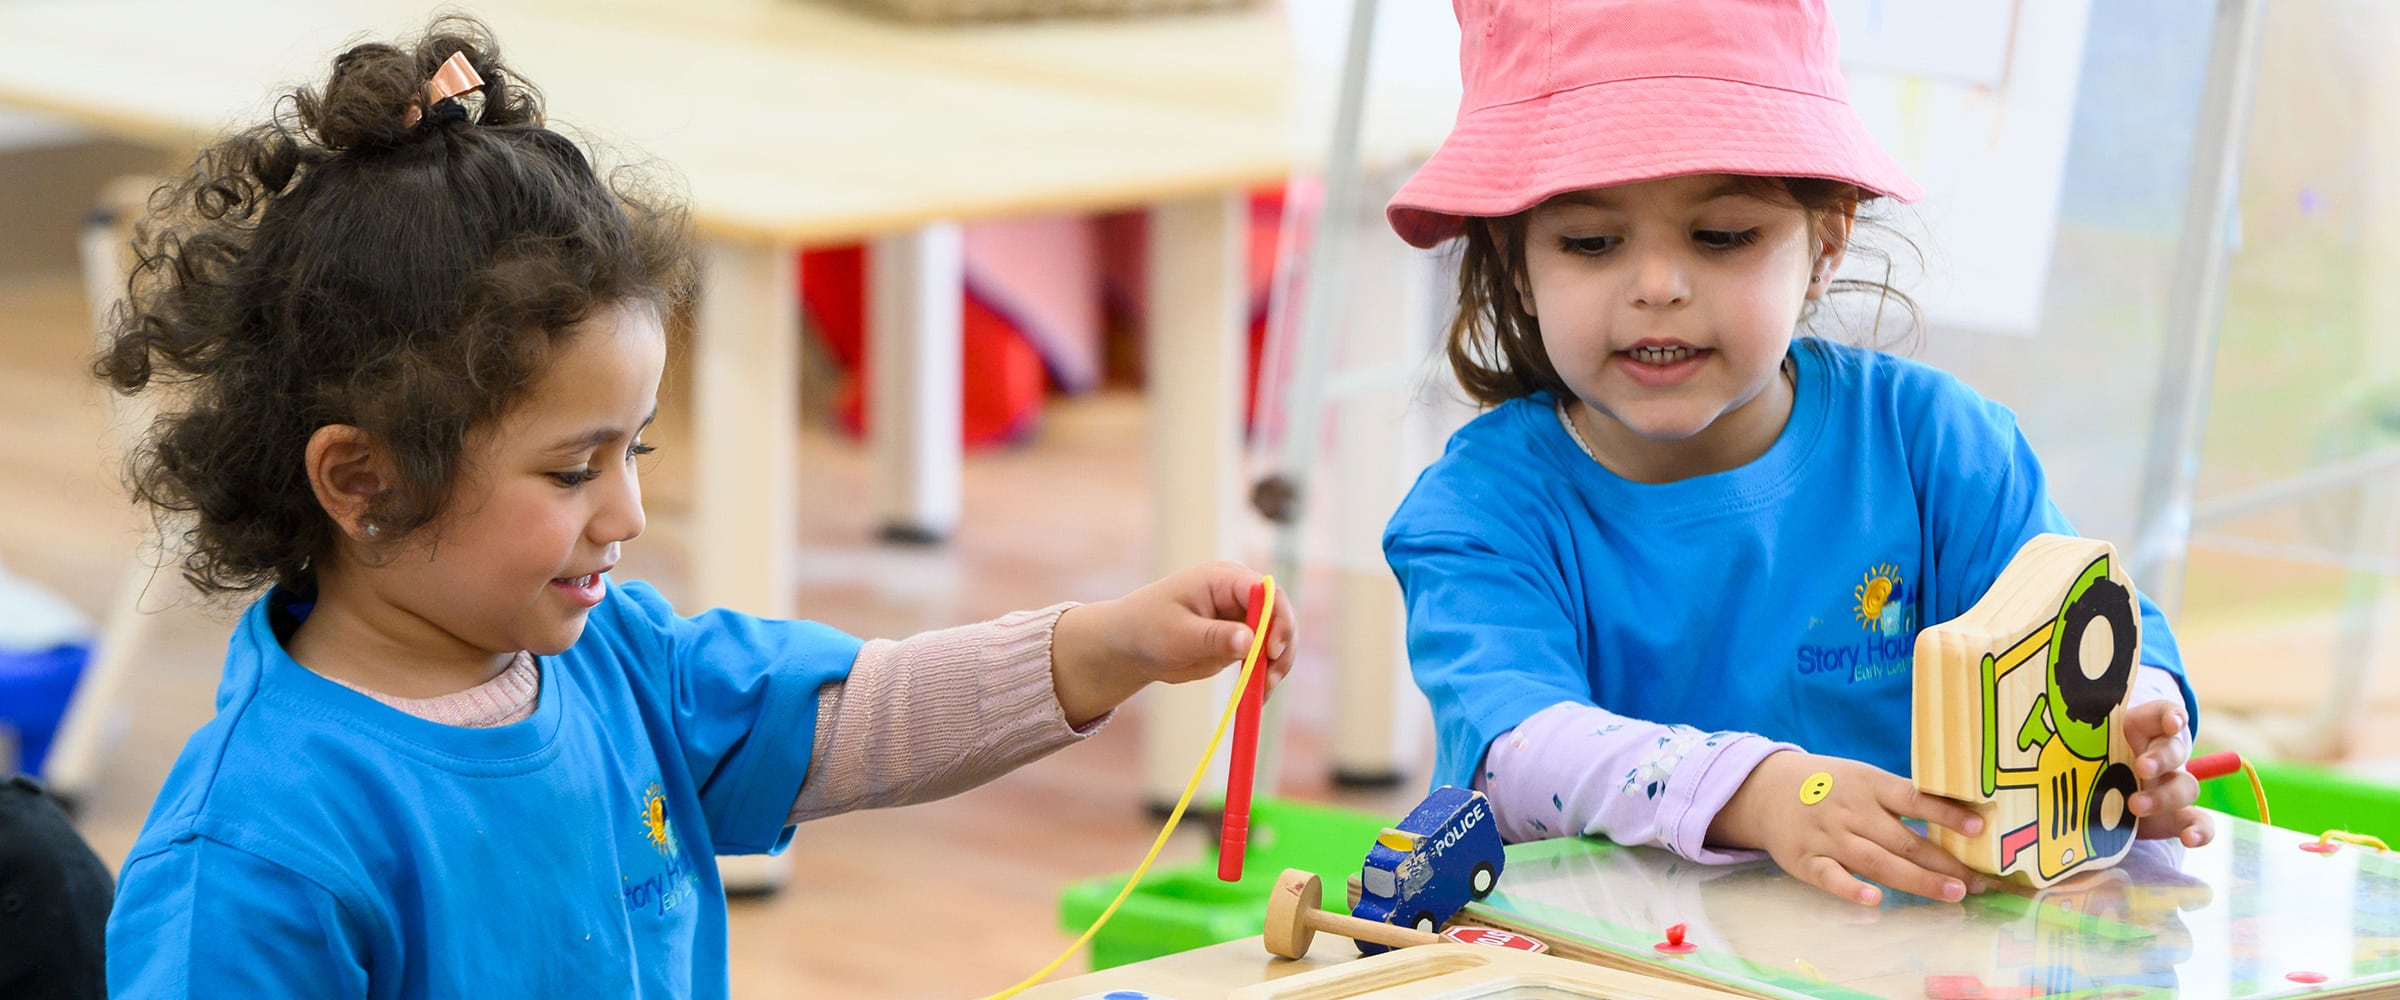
(1183, 907)
(2310, 800)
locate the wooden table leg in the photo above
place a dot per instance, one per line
(1196, 335)
(914, 319)
(746, 436)
(746, 430)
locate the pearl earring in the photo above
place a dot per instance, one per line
(370, 528)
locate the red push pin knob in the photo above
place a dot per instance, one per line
(2320, 846)
(2214, 765)
(2310, 978)
(1675, 944)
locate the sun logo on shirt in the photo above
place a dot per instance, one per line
(1874, 594)
(654, 817)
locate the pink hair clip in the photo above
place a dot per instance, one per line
(456, 76)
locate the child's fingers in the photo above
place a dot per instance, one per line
(2162, 754)
(1276, 669)
(1827, 874)
(2189, 825)
(1902, 798)
(2147, 722)
(1951, 877)
(1193, 646)
(1226, 586)
(1282, 631)
(1237, 640)
(2168, 795)
(1872, 860)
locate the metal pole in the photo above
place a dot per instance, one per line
(1284, 495)
(2196, 304)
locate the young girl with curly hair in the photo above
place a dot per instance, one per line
(410, 340)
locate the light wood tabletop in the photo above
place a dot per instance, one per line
(793, 121)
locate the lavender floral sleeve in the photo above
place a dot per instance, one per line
(1577, 769)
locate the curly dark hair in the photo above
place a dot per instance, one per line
(1495, 346)
(339, 264)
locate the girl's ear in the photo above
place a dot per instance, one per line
(1505, 239)
(1833, 239)
(347, 471)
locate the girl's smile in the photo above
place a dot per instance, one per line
(583, 591)
(1657, 363)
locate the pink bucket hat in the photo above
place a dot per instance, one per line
(1563, 95)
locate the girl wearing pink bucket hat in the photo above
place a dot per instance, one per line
(1678, 568)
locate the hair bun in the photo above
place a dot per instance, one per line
(367, 103)
(363, 106)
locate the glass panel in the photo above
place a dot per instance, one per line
(2293, 525)
(2232, 919)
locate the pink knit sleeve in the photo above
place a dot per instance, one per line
(935, 714)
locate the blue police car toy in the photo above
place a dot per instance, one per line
(1444, 855)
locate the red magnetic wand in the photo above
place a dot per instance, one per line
(2224, 762)
(1234, 837)
(2214, 765)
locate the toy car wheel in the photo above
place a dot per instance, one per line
(2112, 792)
(1483, 880)
(2088, 697)
(1425, 922)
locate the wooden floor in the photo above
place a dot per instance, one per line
(956, 898)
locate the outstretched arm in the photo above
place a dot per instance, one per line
(1576, 769)
(938, 713)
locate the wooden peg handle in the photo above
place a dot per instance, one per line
(1392, 935)
(1295, 913)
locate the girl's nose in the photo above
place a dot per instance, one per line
(1660, 280)
(621, 519)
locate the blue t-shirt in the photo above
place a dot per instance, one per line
(314, 842)
(1781, 598)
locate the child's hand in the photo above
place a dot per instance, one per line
(2164, 803)
(1183, 628)
(1852, 833)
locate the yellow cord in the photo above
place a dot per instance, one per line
(2345, 836)
(1258, 642)
(2257, 790)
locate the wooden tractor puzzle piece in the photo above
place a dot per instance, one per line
(2020, 713)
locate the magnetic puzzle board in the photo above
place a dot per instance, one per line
(1467, 972)
(2236, 918)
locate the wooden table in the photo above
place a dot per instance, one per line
(1201, 972)
(1242, 970)
(798, 123)
(2249, 914)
